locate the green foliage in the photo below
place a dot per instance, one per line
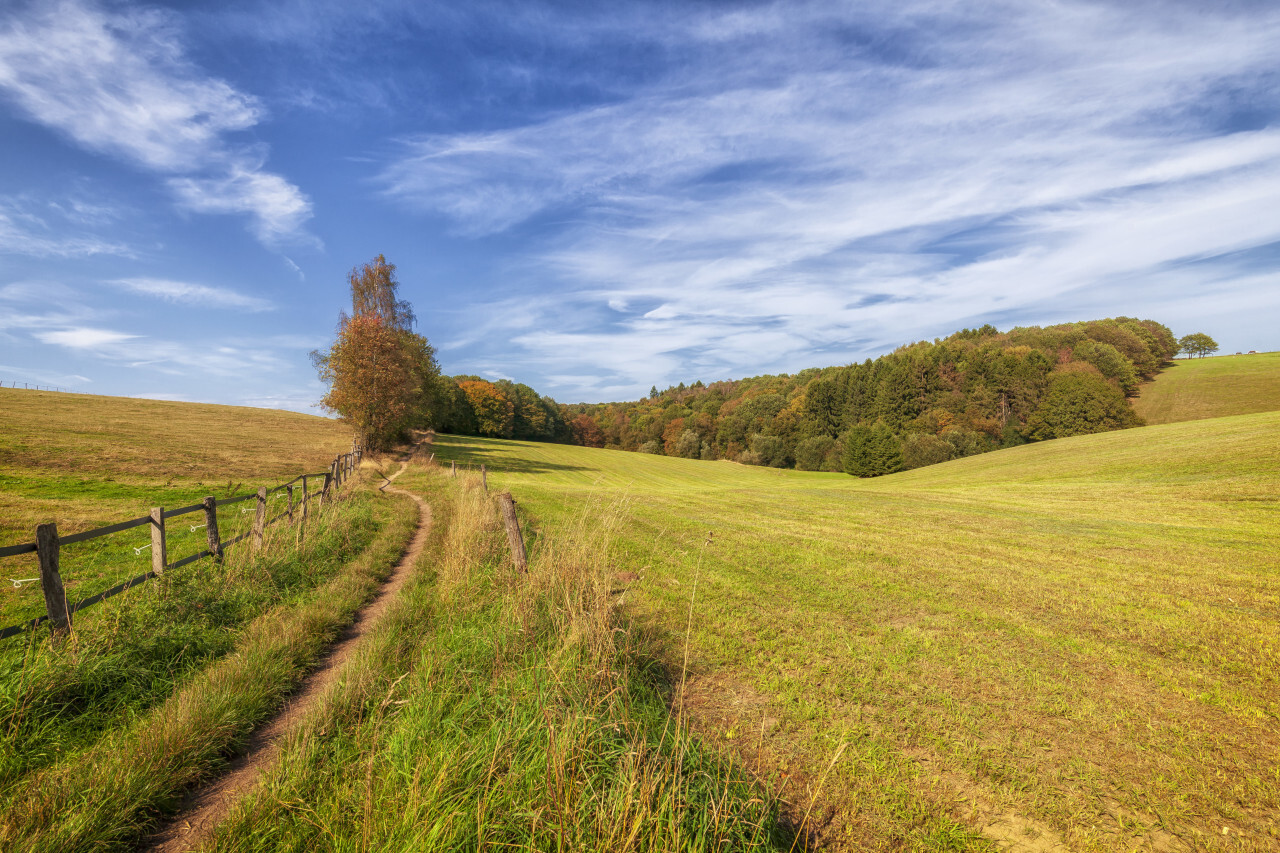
(1110, 363)
(975, 391)
(871, 451)
(819, 453)
(1197, 344)
(920, 449)
(1078, 403)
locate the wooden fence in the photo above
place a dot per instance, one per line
(34, 387)
(48, 544)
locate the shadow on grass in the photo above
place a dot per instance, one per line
(494, 453)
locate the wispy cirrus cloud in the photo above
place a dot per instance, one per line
(840, 180)
(52, 229)
(117, 82)
(186, 293)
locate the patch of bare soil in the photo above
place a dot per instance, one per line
(1009, 830)
(205, 807)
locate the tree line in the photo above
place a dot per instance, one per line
(975, 391)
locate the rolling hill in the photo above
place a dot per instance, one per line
(1073, 643)
(1194, 389)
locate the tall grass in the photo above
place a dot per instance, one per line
(493, 710)
(158, 686)
(1075, 640)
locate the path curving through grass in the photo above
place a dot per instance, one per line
(207, 806)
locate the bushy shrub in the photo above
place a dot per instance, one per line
(820, 453)
(870, 451)
(771, 450)
(1079, 403)
(921, 449)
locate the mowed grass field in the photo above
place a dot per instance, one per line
(84, 461)
(1192, 389)
(1072, 645)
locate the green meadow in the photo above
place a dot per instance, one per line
(86, 461)
(1073, 643)
(1196, 388)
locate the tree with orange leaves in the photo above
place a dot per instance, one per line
(382, 376)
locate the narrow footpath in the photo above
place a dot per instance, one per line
(205, 807)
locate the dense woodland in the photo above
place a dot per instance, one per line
(928, 402)
(975, 391)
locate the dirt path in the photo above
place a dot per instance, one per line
(206, 807)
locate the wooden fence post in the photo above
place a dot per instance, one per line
(484, 478)
(211, 526)
(324, 492)
(453, 468)
(55, 597)
(260, 519)
(289, 489)
(508, 506)
(159, 547)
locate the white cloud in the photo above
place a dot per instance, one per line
(812, 194)
(119, 83)
(193, 294)
(26, 229)
(278, 208)
(84, 338)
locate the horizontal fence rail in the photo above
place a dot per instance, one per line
(48, 544)
(31, 386)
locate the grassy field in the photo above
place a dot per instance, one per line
(1193, 389)
(86, 461)
(155, 688)
(491, 711)
(1070, 645)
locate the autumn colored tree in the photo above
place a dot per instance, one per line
(586, 432)
(382, 376)
(495, 413)
(371, 381)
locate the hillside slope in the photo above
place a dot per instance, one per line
(1194, 389)
(1073, 642)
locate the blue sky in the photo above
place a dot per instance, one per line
(593, 198)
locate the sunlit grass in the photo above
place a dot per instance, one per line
(153, 692)
(84, 462)
(496, 711)
(1082, 634)
(1192, 389)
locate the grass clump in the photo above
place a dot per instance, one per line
(153, 694)
(491, 710)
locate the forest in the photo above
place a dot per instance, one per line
(927, 402)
